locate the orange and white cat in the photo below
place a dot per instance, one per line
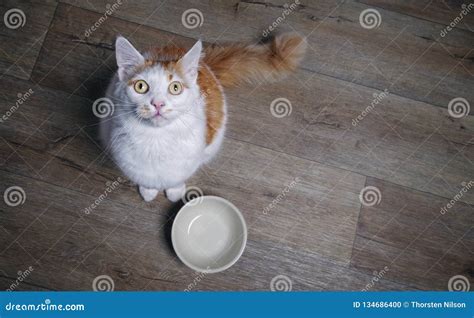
(170, 106)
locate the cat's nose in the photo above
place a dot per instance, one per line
(158, 104)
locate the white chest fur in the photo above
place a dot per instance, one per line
(159, 157)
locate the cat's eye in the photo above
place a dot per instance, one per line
(140, 86)
(175, 88)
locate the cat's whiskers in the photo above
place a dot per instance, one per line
(105, 119)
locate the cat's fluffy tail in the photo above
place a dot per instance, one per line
(237, 63)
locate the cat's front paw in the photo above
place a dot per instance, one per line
(176, 193)
(148, 194)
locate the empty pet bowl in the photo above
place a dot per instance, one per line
(209, 234)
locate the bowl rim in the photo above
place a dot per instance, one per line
(236, 257)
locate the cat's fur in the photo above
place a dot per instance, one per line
(160, 147)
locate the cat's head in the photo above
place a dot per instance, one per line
(159, 88)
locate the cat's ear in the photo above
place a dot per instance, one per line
(127, 57)
(189, 63)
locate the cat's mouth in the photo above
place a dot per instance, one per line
(146, 113)
(156, 118)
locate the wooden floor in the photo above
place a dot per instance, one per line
(408, 150)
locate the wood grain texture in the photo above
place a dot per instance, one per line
(297, 179)
(439, 11)
(408, 233)
(403, 141)
(130, 245)
(388, 56)
(23, 38)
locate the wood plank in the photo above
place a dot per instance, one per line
(400, 140)
(317, 200)
(7, 282)
(43, 233)
(305, 271)
(104, 243)
(23, 38)
(439, 11)
(408, 231)
(404, 54)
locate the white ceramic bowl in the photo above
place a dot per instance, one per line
(209, 234)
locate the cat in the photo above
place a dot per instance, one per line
(170, 109)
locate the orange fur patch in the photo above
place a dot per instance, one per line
(214, 102)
